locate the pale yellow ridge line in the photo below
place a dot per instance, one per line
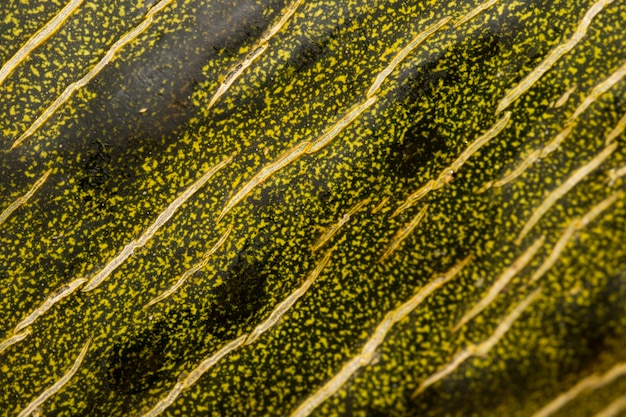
(380, 205)
(236, 72)
(475, 12)
(38, 38)
(328, 136)
(285, 159)
(511, 176)
(613, 409)
(369, 349)
(288, 302)
(404, 52)
(554, 55)
(504, 278)
(72, 88)
(281, 22)
(334, 228)
(481, 349)
(57, 385)
(555, 253)
(195, 374)
(564, 188)
(198, 266)
(52, 299)
(402, 234)
(448, 173)
(245, 339)
(530, 159)
(566, 95)
(257, 51)
(556, 142)
(294, 153)
(23, 199)
(589, 383)
(152, 229)
(573, 227)
(475, 146)
(14, 339)
(599, 90)
(618, 130)
(615, 174)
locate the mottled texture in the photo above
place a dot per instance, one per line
(313, 204)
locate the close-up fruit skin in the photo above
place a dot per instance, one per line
(355, 208)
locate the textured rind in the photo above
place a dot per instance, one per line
(109, 182)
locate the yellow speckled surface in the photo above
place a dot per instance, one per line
(367, 208)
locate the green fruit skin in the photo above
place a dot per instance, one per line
(117, 157)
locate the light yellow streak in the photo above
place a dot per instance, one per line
(57, 385)
(108, 57)
(154, 227)
(334, 228)
(23, 199)
(574, 227)
(328, 136)
(532, 158)
(556, 142)
(293, 154)
(257, 51)
(475, 12)
(281, 22)
(564, 188)
(38, 38)
(504, 278)
(204, 366)
(617, 130)
(613, 409)
(554, 55)
(288, 302)
(380, 205)
(245, 339)
(592, 382)
(563, 99)
(402, 234)
(54, 298)
(511, 176)
(285, 159)
(14, 339)
(404, 52)
(599, 90)
(236, 72)
(481, 349)
(192, 270)
(209, 362)
(369, 349)
(448, 173)
(615, 174)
